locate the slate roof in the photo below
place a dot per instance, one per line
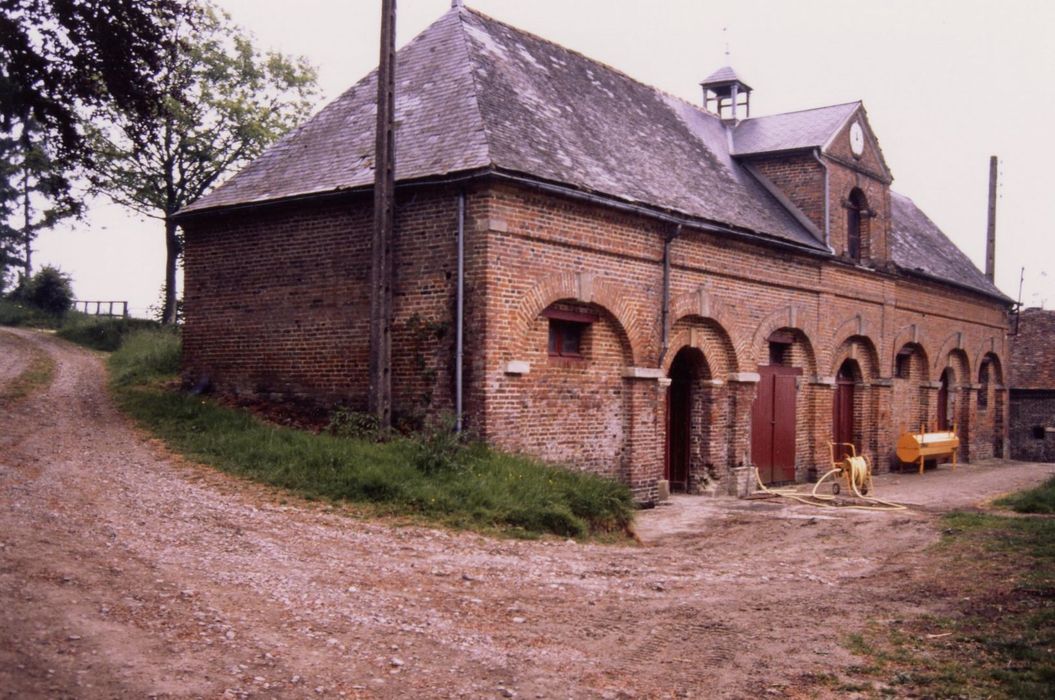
(723, 75)
(472, 93)
(811, 128)
(917, 245)
(475, 94)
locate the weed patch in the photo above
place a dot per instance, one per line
(996, 639)
(1038, 500)
(146, 356)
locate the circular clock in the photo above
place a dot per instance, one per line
(857, 139)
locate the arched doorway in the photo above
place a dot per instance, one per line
(685, 419)
(944, 422)
(844, 425)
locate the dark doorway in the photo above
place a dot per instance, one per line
(943, 401)
(773, 423)
(688, 367)
(843, 425)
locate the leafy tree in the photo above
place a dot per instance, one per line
(35, 195)
(58, 56)
(224, 102)
(50, 290)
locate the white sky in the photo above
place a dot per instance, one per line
(946, 83)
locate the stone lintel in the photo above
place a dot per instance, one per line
(745, 377)
(643, 373)
(518, 367)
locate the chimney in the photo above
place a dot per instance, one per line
(990, 239)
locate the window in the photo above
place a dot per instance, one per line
(565, 338)
(1039, 432)
(780, 347)
(856, 213)
(566, 332)
(903, 364)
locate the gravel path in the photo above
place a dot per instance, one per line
(125, 572)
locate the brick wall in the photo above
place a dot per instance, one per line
(1032, 370)
(277, 306)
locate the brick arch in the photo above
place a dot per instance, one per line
(793, 317)
(846, 350)
(952, 345)
(856, 326)
(910, 334)
(959, 363)
(988, 351)
(710, 337)
(584, 287)
(706, 306)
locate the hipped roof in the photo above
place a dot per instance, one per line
(473, 93)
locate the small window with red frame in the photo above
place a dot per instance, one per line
(566, 331)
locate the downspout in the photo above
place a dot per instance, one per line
(827, 200)
(665, 309)
(459, 313)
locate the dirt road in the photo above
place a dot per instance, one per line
(127, 573)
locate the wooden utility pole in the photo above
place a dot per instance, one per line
(990, 239)
(380, 400)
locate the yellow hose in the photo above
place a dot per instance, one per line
(859, 474)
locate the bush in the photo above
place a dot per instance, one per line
(17, 313)
(439, 449)
(101, 333)
(146, 356)
(50, 290)
(353, 424)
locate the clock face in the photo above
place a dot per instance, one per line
(857, 139)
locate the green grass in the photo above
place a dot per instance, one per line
(101, 333)
(996, 639)
(479, 488)
(146, 356)
(1038, 500)
(37, 374)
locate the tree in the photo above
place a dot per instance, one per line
(35, 194)
(224, 102)
(59, 56)
(50, 290)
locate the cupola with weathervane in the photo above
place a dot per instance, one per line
(726, 95)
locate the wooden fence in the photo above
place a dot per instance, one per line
(102, 308)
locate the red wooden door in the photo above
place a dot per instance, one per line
(773, 423)
(843, 415)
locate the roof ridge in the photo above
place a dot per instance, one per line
(801, 111)
(461, 9)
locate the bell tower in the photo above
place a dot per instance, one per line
(726, 95)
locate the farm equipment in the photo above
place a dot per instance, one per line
(854, 469)
(917, 447)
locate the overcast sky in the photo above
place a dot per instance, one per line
(946, 84)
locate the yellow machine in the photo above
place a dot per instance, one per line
(917, 447)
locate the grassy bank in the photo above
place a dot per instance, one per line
(996, 639)
(37, 374)
(435, 479)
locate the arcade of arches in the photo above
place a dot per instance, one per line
(722, 406)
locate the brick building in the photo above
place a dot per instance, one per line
(1033, 386)
(653, 288)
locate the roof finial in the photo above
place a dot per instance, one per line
(725, 36)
